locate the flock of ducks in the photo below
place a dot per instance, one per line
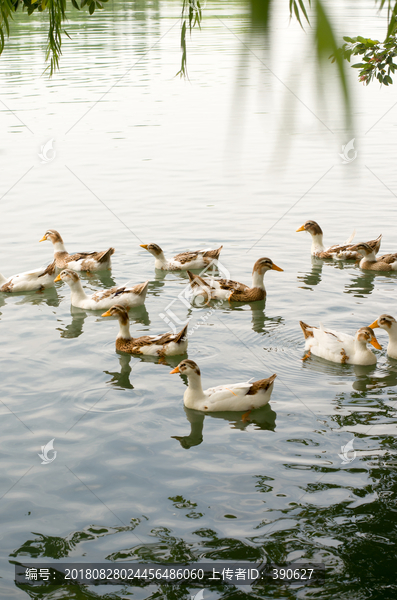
(331, 345)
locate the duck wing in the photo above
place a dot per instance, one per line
(387, 258)
(227, 392)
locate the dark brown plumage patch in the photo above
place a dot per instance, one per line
(212, 254)
(248, 295)
(6, 287)
(344, 358)
(62, 259)
(50, 270)
(306, 329)
(208, 256)
(133, 345)
(262, 384)
(185, 257)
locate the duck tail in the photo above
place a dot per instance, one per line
(50, 270)
(196, 280)
(307, 329)
(105, 256)
(181, 335)
(214, 254)
(261, 384)
(141, 288)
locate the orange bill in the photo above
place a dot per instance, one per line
(301, 228)
(276, 268)
(374, 325)
(57, 278)
(43, 239)
(106, 314)
(143, 246)
(376, 344)
(176, 370)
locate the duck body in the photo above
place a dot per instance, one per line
(82, 261)
(369, 262)
(244, 396)
(339, 347)
(30, 281)
(388, 324)
(198, 259)
(234, 291)
(125, 295)
(337, 251)
(167, 344)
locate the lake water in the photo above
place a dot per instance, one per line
(229, 157)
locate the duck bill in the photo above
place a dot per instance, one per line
(376, 344)
(374, 325)
(59, 276)
(276, 268)
(176, 370)
(106, 314)
(143, 246)
(43, 239)
(301, 229)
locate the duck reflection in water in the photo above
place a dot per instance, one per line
(262, 418)
(313, 277)
(79, 315)
(48, 296)
(364, 283)
(121, 379)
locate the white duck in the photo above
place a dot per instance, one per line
(340, 347)
(125, 295)
(30, 281)
(181, 262)
(166, 344)
(389, 324)
(340, 251)
(82, 261)
(235, 396)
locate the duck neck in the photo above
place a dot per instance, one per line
(257, 280)
(194, 390)
(361, 346)
(160, 261)
(2, 279)
(317, 243)
(124, 332)
(77, 292)
(392, 346)
(59, 247)
(369, 258)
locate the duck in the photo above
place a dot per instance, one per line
(197, 259)
(340, 347)
(166, 344)
(130, 296)
(339, 251)
(226, 289)
(389, 324)
(82, 261)
(369, 262)
(30, 281)
(232, 397)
